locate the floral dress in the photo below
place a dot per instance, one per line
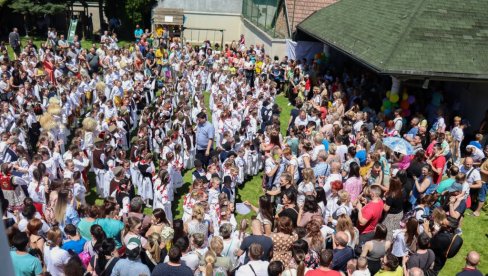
(282, 244)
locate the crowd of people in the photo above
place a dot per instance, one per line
(129, 121)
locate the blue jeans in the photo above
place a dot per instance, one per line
(482, 192)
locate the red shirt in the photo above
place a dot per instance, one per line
(319, 272)
(323, 112)
(438, 163)
(372, 212)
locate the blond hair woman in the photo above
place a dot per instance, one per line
(213, 262)
(197, 224)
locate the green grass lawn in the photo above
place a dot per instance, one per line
(474, 230)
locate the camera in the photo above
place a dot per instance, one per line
(428, 218)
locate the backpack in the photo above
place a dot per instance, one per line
(219, 271)
(454, 246)
(408, 215)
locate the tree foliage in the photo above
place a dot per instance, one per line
(139, 11)
(130, 12)
(27, 7)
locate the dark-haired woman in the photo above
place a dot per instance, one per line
(96, 237)
(300, 267)
(290, 208)
(105, 260)
(85, 224)
(376, 249)
(308, 211)
(354, 183)
(159, 222)
(264, 213)
(393, 206)
(283, 241)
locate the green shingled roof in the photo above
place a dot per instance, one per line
(444, 38)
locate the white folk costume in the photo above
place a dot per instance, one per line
(161, 197)
(12, 191)
(176, 168)
(147, 170)
(98, 162)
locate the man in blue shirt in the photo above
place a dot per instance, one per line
(409, 136)
(138, 33)
(24, 263)
(204, 139)
(75, 242)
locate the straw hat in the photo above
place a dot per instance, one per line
(89, 124)
(54, 109)
(100, 86)
(47, 122)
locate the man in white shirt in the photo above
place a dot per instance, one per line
(255, 266)
(473, 176)
(341, 150)
(335, 174)
(319, 146)
(63, 44)
(359, 122)
(458, 136)
(398, 120)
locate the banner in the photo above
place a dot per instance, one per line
(72, 30)
(303, 49)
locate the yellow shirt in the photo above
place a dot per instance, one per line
(258, 67)
(397, 272)
(363, 171)
(159, 56)
(159, 31)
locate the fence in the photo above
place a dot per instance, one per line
(264, 14)
(198, 35)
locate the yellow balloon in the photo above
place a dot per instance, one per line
(405, 96)
(388, 94)
(394, 98)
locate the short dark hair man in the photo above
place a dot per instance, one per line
(204, 139)
(326, 257)
(24, 263)
(174, 266)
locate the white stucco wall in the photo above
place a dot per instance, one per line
(212, 6)
(254, 35)
(230, 23)
(222, 14)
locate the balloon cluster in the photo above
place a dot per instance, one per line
(392, 101)
(320, 58)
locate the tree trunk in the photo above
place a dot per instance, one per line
(100, 12)
(26, 25)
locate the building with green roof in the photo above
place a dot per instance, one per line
(436, 40)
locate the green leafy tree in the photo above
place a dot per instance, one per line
(130, 12)
(36, 7)
(139, 11)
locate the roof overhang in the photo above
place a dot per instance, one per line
(167, 16)
(408, 45)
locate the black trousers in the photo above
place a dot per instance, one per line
(200, 155)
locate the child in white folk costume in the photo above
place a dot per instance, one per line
(107, 178)
(147, 169)
(176, 165)
(161, 197)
